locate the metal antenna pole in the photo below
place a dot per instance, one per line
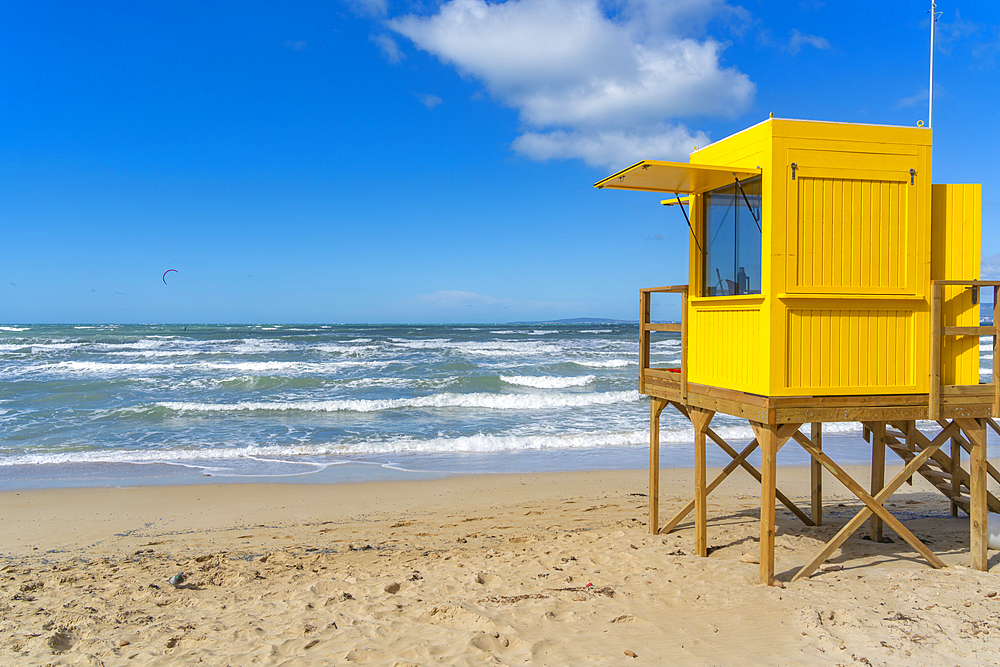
(930, 93)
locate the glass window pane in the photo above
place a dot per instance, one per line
(733, 252)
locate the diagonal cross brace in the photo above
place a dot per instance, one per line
(873, 505)
(739, 460)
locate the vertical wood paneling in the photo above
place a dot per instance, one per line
(725, 349)
(955, 252)
(851, 234)
(853, 351)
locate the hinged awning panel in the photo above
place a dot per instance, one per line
(677, 177)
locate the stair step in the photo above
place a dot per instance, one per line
(939, 474)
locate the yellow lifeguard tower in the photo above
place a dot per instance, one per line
(829, 281)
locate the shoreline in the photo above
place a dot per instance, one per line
(845, 448)
(549, 568)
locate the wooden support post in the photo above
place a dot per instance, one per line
(995, 408)
(816, 475)
(684, 346)
(656, 406)
(644, 305)
(768, 438)
(975, 432)
(934, 390)
(956, 482)
(700, 419)
(878, 475)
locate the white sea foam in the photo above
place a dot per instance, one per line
(14, 328)
(500, 348)
(445, 400)
(479, 443)
(596, 331)
(547, 381)
(610, 363)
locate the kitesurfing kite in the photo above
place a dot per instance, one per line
(165, 274)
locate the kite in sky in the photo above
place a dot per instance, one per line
(165, 274)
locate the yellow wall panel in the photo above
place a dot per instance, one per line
(955, 253)
(726, 348)
(841, 351)
(850, 235)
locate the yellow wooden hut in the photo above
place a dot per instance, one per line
(828, 281)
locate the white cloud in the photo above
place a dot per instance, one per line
(615, 148)
(376, 8)
(430, 101)
(798, 40)
(388, 47)
(587, 84)
(990, 268)
(913, 99)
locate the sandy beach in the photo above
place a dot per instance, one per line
(548, 569)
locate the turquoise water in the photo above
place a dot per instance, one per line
(118, 404)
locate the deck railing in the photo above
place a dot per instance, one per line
(938, 331)
(646, 327)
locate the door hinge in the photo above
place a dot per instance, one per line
(794, 167)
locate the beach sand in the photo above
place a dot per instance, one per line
(547, 569)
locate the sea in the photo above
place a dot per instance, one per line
(122, 405)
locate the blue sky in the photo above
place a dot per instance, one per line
(381, 161)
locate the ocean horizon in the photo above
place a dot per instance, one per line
(100, 405)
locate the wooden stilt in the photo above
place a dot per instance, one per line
(816, 475)
(878, 475)
(975, 433)
(656, 406)
(700, 419)
(956, 483)
(768, 439)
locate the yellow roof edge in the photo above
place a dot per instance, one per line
(673, 177)
(598, 184)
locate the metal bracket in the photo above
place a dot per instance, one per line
(749, 207)
(794, 167)
(913, 172)
(975, 294)
(688, 220)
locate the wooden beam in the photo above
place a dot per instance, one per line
(934, 390)
(783, 435)
(966, 331)
(771, 438)
(975, 431)
(908, 470)
(995, 408)
(684, 345)
(655, 409)
(816, 475)
(878, 475)
(768, 438)
(733, 465)
(739, 460)
(669, 327)
(956, 483)
(700, 419)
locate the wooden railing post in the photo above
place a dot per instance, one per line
(644, 302)
(934, 391)
(684, 347)
(995, 409)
